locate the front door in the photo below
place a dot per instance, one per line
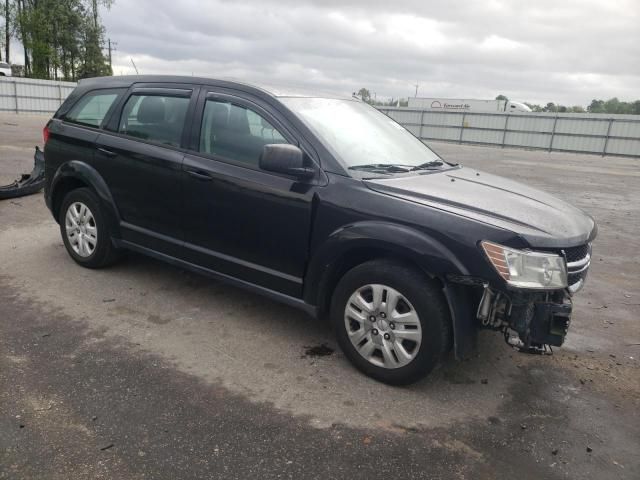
(243, 221)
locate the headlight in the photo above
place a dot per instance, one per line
(525, 269)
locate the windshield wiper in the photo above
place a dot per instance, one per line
(385, 167)
(428, 165)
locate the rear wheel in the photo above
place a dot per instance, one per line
(391, 321)
(85, 231)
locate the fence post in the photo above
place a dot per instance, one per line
(504, 132)
(464, 115)
(553, 133)
(15, 93)
(606, 139)
(60, 93)
(421, 124)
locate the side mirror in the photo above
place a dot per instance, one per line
(286, 159)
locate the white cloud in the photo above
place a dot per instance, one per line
(538, 50)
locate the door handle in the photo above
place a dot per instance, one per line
(200, 175)
(108, 153)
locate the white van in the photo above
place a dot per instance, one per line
(5, 69)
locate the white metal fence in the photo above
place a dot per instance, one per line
(28, 95)
(603, 134)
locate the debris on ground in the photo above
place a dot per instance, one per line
(318, 351)
(28, 183)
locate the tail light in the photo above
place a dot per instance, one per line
(45, 134)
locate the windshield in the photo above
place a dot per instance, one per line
(361, 137)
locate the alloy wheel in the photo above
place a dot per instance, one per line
(383, 326)
(81, 229)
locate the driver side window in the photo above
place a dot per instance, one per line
(236, 133)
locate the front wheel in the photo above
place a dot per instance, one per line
(391, 321)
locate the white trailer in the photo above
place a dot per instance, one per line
(466, 105)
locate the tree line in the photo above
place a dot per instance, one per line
(613, 105)
(61, 39)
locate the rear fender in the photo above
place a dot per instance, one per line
(86, 174)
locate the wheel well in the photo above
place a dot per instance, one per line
(352, 259)
(63, 187)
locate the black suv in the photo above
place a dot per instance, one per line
(318, 201)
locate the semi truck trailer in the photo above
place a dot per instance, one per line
(466, 105)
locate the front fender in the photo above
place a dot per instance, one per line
(86, 174)
(422, 250)
(428, 253)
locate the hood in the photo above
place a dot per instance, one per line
(541, 219)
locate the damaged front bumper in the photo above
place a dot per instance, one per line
(531, 321)
(29, 183)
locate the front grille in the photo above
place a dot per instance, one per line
(578, 262)
(575, 254)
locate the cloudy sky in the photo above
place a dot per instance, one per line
(565, 51)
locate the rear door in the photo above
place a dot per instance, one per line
(72, 135)
(141, 160)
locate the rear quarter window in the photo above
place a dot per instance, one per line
(92, 109)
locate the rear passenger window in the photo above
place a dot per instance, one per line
(235, 132)
(93, 107)
(155, 118)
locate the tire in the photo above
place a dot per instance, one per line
(426, 332)
(99, 251)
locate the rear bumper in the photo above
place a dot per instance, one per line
(27, 184)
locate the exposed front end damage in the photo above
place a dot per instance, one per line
(530, 321)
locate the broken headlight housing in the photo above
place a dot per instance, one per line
(527, 269)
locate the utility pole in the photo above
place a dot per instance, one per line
(134, 65)
(112, 48)
(416, 85)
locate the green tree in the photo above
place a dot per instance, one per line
(502, 97)
(365, 95)
(6, 11)
(596, 106)
(61, 38)
(613, 105)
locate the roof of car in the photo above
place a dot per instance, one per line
(272, 90)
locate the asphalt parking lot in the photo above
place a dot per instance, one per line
(145, 371)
